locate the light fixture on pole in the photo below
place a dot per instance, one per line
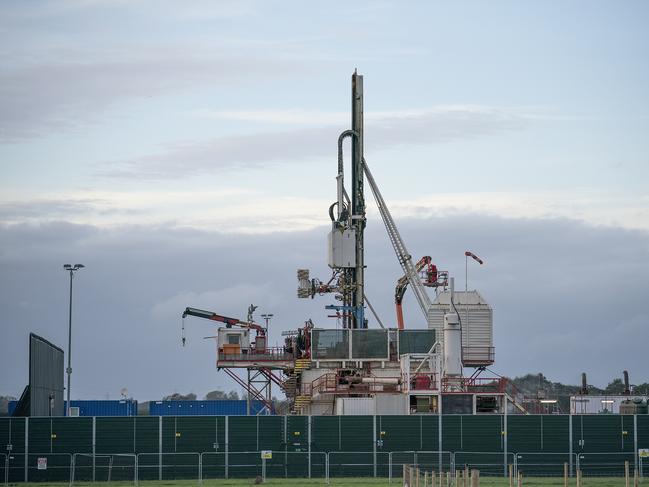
(71, 269)
(468, 254)
(267, 318)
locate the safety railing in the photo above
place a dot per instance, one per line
(86, 467)
(433, 460)
(541, 464)
(5, 468)
(604, 464)
(281, 464)
(352, 463)
(89, 467)
(488, 463)
(169, 466)
(38, 467)
(271, 354)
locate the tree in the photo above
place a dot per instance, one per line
(176, 396)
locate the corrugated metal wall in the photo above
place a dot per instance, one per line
(226, 407)
(357, 445)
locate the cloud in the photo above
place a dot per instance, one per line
(560, 290)
(237, 210)
(40, 98)
(389, 129)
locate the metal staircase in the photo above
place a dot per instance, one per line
(292, 384)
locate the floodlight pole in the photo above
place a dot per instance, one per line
(71, 269)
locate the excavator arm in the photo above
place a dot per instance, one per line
(430, 278)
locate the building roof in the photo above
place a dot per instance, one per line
(460, 298)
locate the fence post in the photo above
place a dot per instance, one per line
(94, 445)
(227, 446)
(373, 442)
(565, 475)
(626, 473)
(635, 441)
(309, 442)
(389, 467)
(511, 475)
(159, 448)
(570, 441)
(504, 432)
(26, 449)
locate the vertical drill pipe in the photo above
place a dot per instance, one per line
(358, 200)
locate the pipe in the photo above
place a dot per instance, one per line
(340, 186)
(627, 390)
(584, 384)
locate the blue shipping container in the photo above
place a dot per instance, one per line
(96, 408)
(203, 408)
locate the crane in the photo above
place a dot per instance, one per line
(229, 322)
(431, 278)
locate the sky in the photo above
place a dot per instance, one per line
(186, 154)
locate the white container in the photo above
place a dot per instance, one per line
(355, 406)
(341, 245)
(476, 317)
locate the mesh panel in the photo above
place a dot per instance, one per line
(416, 341)
(370, 344)
(330, 344)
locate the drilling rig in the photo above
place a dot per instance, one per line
(357, 369)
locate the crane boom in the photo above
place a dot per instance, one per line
(403, 256)
(209, 315)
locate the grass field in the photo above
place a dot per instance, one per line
(347, 482)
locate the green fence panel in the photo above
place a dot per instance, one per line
(643, 434)
(601, 433)
(325, 433)
(525, 433)
(556, 435)
(147, 434)
(270, 433)
(40, 435)
(115, 435)
(482, 433)
(71, 435)
(356, 433)
(169, 430)
(401, 433)
(194, 434)
(297, 434)
(12, 432)
(243, 433)
(452, 429)
(429, 440)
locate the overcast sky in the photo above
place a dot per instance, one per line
(186, 154)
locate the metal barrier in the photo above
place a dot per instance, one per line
(352, 463)
(604, 464)
(537, 464)
(489, 463)
(39, 467)
(5, 464)
(119, 463)
(283, 464)
(51, 467)
(169, 466)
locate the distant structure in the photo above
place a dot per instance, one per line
(43, 395)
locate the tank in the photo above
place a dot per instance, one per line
(452, 346)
